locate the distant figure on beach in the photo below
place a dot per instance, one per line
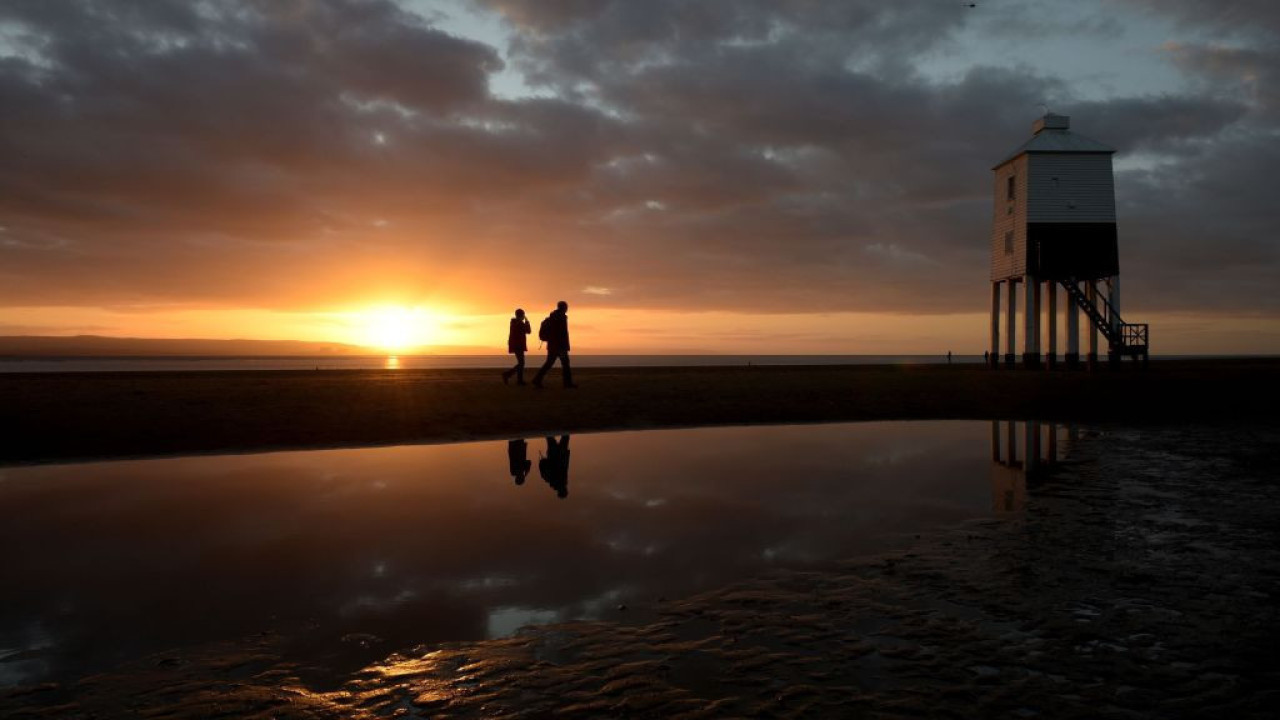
(518, 461)
(517, 345)
(986, 357)
(948, 357)
(554, 331)
(554, 468)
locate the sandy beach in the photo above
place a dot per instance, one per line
(78, 416)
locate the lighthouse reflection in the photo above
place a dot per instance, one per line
(1022, 451)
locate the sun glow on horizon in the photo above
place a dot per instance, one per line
(391, 329)
(396, 329)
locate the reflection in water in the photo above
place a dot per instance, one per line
(518, 462)
(554, 468)
(1036, 444)
(109, 562)
(393, 363)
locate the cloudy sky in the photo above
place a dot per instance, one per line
(763, 176)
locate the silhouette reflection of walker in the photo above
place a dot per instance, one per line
(518, 462)
(1037, 444)
(554, 468)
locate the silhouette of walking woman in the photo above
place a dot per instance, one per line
(516, 345)
(518, 462)
(554, 331)
(554, 468)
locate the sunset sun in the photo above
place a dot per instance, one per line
(396, 329)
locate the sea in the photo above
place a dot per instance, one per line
(418, 362)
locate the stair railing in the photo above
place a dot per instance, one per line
(1133, 336)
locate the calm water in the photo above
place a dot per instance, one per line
(352, 554)
(365, 362)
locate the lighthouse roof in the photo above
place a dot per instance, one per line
(1053, 135)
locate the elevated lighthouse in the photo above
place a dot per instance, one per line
(1054, 226)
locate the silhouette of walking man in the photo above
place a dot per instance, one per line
(554, 468)
(518, 460)
(516, 345)
(554, 331)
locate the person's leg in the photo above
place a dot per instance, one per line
(537, 379)
(519, 370)
(568, 372)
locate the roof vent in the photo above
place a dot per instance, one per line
(1051, 122)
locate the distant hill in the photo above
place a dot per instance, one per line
(99, 346)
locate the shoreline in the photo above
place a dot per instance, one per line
(80, 417)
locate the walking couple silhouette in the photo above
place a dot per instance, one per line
(554, 331)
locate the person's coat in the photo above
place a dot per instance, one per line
(557, 333)
(515, 339)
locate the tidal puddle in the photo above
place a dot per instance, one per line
(348, 555)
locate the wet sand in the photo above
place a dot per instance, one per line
(1140, 581)
(72, 416)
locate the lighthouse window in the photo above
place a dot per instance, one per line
(1009, 192)
(1008, 243)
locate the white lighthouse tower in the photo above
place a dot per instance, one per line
(1054, 225)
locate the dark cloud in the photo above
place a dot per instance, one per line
(169, 144)
(773, 156)
(1203, 230)
(1244, 72)
(572, 45)
(1159, 124)
(1256, 18)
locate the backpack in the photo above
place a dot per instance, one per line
(544, 330)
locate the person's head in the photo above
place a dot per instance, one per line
(562, 306)
(519, 312)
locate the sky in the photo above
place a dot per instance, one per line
(737, 176)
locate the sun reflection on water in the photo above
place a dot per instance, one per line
(393, 362)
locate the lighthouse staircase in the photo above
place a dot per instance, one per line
(1122, 338)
